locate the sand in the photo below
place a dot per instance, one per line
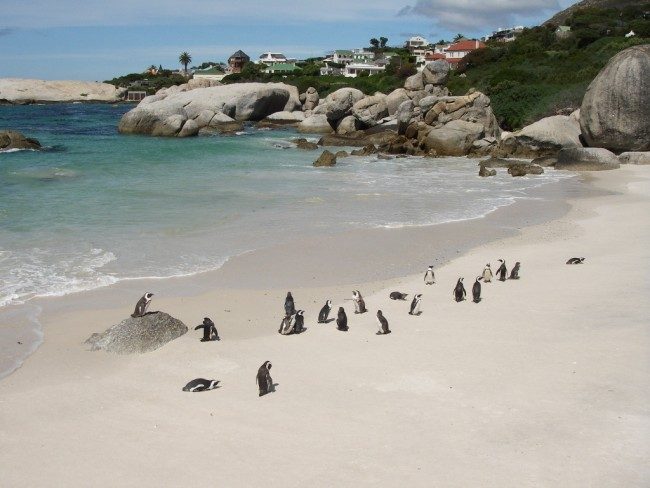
(544, 383)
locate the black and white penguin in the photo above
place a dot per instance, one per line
(289, 307)
(263, 379)
(287, 325)
(342, 320)
(209, 330)
(429, 276)
(383, 324)
(502, 272)
(415, 305)
(459, 291)
(142, 305)
(359, 304)
(487, 274)
(575, 261)
(324, 312)
(201, 384)
(299, 322)
(514, 274)
(476, 289)
(396, 295)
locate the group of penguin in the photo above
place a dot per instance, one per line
(294, 321)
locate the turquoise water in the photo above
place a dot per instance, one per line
(95, 207)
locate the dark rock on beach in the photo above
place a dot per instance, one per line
(139, 334)
(484, 171)
(302, 143)
(326, 159)
(10, 139)
(586, 159)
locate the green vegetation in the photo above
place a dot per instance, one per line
(540, 73)
(185, 59)
(148, 82)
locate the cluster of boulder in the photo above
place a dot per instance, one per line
(12, 140)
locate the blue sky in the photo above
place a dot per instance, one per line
(96, 39)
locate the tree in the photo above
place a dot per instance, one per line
(458, 37)
(383, 41)
(160, 68)
(374, 42)
(185, 59)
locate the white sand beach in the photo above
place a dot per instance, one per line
(545, 383)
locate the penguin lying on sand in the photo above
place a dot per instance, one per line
(396, 295)
(201, 384)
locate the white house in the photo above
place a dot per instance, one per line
(270, 58)
(417, 45)
(353, 70)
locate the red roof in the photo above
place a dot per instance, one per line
(434, 56)
(454, 60)
(466, 46)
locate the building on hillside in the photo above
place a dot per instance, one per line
(237, 61)
(135, 95)
(342, 56)
(458, 50)
(362, 56)
(328, 70)
(417, 45)
(505, 35)
(283, 68)
(213, 73)
(562, 32)
(353, 70)
(270, 58)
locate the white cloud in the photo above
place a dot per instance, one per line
(480, 15)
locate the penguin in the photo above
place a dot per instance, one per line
(142, 305)
(476, 289)
(459, 290)
(429, 276)
(299, 322)
(383, 324)
(263, 379)
(209, 330)
(359, 304)
(575, 261)
(287, 325)
(201, 384)
(324, 312)
(289, 307)
(514, 274)
(342, 320)
(487, 274)
(415, 305)
(502, 272)
(396, 295)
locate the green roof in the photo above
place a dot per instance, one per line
(210, 71)
(282, 67)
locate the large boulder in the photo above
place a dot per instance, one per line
(454, 138)
(404, 115)
(394, 99)
(370, 110)
(217, 123)
(139, 334)
(436, 72)
(311, 99)
(23, 91)
(414, 82)
(327, 158)
(615, 111)
(339, 103)
(283, 118)
(243, 101)
(634, 157)
(542, 138)
(315, 124)
(347, 125)
(12, 140)
(586, 159)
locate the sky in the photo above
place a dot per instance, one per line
(98, 39)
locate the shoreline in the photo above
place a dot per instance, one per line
(290, 265)
(544, 383)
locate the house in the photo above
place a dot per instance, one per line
(458, 50)
(282, 68)
(353, 70)
(417, 45)
(270, 58)
(362, 56)
(505, 35)
(328, 70)
(237, 61)
(342, 56)
(212, 73)
(563, 31)
(135, 95)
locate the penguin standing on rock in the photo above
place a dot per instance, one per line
(383, 324)
(263, 379)
(342, 320)
(324, 312)
(514, 274)
(487, 274)
(429, 276)
(209, 330)
(502, 272)
(415, 305)
(459, 291)
(359, 304)
(142, 305)
(476, 290)
(289, 307)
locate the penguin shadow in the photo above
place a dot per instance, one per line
(302, 331)
(271, 389)
(415, 314)
(477, 300)
(152, 313)
(327, 321)
(212, 339)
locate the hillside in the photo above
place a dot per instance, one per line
(540, 73)
(561, 17)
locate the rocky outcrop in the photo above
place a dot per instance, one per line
(436, 72)
(485, 171)
(139, 334)
(284, 118)
(339, 104)
(210, 122)
(542, 138)
(327, 158)
(586, 159)
(615, 111)
(12, 140)
(347, 125)
(166, 115)
(525, 169)
(394, 99)
(359, 139)
(369, 111)
(24, 91)
(309, 99)
(315, 124)
(454, 139)
(302, 143)
(634, 157)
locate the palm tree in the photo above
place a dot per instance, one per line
(374, 42)
(458, 37)
(185, 59)
(383, 41)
